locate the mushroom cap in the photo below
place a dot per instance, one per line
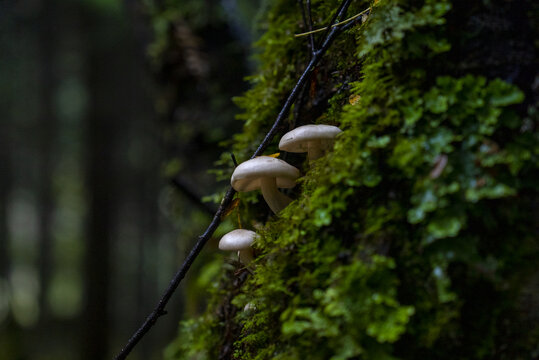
(238, 239)
(297, 140)
(247, 175)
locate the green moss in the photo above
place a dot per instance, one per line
(415, 237)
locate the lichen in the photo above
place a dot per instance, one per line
(415, 237)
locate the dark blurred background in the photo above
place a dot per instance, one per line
(111, 114)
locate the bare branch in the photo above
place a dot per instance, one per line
(333, 31)
(234, 159)
(310, 18)
(308, 24)
(335, 19)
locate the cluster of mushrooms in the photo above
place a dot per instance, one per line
(268, 174)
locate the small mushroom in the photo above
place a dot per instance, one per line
(312, 139)
(239, 240)
(267, 174)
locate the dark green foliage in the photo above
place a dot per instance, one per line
(414, 238)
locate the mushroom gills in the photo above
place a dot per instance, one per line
(275, 199)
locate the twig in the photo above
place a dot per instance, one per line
(335, 18)
(227, 199)
(182, 186)
(308, 24)
(297, 107)
(311, 32)
(306, 73)
(234, 159)
(310, 17)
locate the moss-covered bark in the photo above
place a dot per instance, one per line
(417, 236)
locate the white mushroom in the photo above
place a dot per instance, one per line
(267, 174)
(312, 139)
(239, 240)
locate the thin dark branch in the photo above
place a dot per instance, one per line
(302, 79)
(297, 108)
(338, 15)
(186, 190)
(309, 13)
(234, 159)
(296, 113)
(227, 199)
(308, 24)
(310, 18)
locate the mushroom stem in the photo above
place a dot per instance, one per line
(314, 150)
(275, 199)
(246, 255)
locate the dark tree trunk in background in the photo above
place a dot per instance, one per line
(5, 150)
(47, 130)
(5, 186)
(10, 332)
(103, 52)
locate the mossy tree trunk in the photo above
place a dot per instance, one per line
(416, 237)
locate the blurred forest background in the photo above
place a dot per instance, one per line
(111, 114)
